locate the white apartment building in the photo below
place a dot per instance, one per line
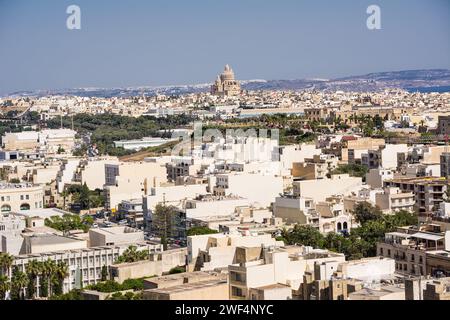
(182, 167)
(20, 197)
(388, 156)
(24, 141)
(375, 177)
(48, 141)
(368, 269)
(131, 180)
(92, 171)
(45, 174)
(293, 209)
(260, 190)
(52, 141)
(11, 227)
(85, 265)
(261, 267)
(205, 206)
(172, 195)
(393, 200)
(207, 252)
(41, 242)
(66, 174)
(114, 236)
(319, 190)
(296, 153)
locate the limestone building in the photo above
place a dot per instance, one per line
(226, 84)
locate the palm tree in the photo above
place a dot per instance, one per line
(33, 270)
(47, 271)
(131, 254)
(6, 261)
(64, 194)
(61, 272)
(19, 282)
(5, 285)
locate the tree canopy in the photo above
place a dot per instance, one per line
(361, 242)
(70, 222)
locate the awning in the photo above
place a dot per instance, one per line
(427, 236)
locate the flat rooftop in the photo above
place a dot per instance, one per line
(115, 230)
(51, 239)
(42, 213)
(273, 287)
(188, 287)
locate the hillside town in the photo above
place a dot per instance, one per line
(230, 194)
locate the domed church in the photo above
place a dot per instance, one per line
(226, 84)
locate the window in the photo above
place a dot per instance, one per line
(238, 277)
(24, 206)
(6, 208)
(237, 292)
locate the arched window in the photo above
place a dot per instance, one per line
(6, 208)
(24, 206)
(339, 226)
(345, 225)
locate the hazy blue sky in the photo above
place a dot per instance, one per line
(157, 42)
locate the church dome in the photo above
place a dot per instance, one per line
(227, 74)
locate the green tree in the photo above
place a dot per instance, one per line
(355, 170)
(164, 222)
(48, 268)
(33, 270)
(304, 235)
(74, 294)
(5, 285)
(6, 261)
(364, 212)
(105, 273)
(61, 272)
(19, 282)
(200, 230)
(131, 254)
(84, 197)
(70, 222)
(177, 270)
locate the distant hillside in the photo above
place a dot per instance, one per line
(408, 75)
(433, 80)
(413, 80)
